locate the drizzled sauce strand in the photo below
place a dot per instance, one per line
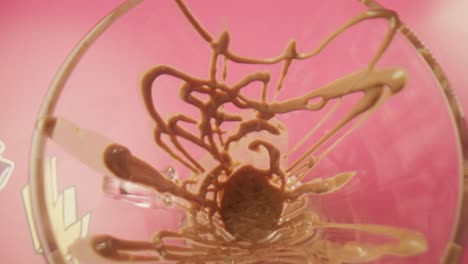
(369, 81)
(214, 230)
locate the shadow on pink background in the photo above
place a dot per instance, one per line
(36, 36)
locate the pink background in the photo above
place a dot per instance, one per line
(36, 36)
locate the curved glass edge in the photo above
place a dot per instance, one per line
(459, 236)
(41, 216)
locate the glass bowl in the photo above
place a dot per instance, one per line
(249, 132)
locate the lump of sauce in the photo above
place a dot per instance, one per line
(251, 206)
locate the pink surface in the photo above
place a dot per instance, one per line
(410, 176)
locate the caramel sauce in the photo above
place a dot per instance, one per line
(247, 208)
